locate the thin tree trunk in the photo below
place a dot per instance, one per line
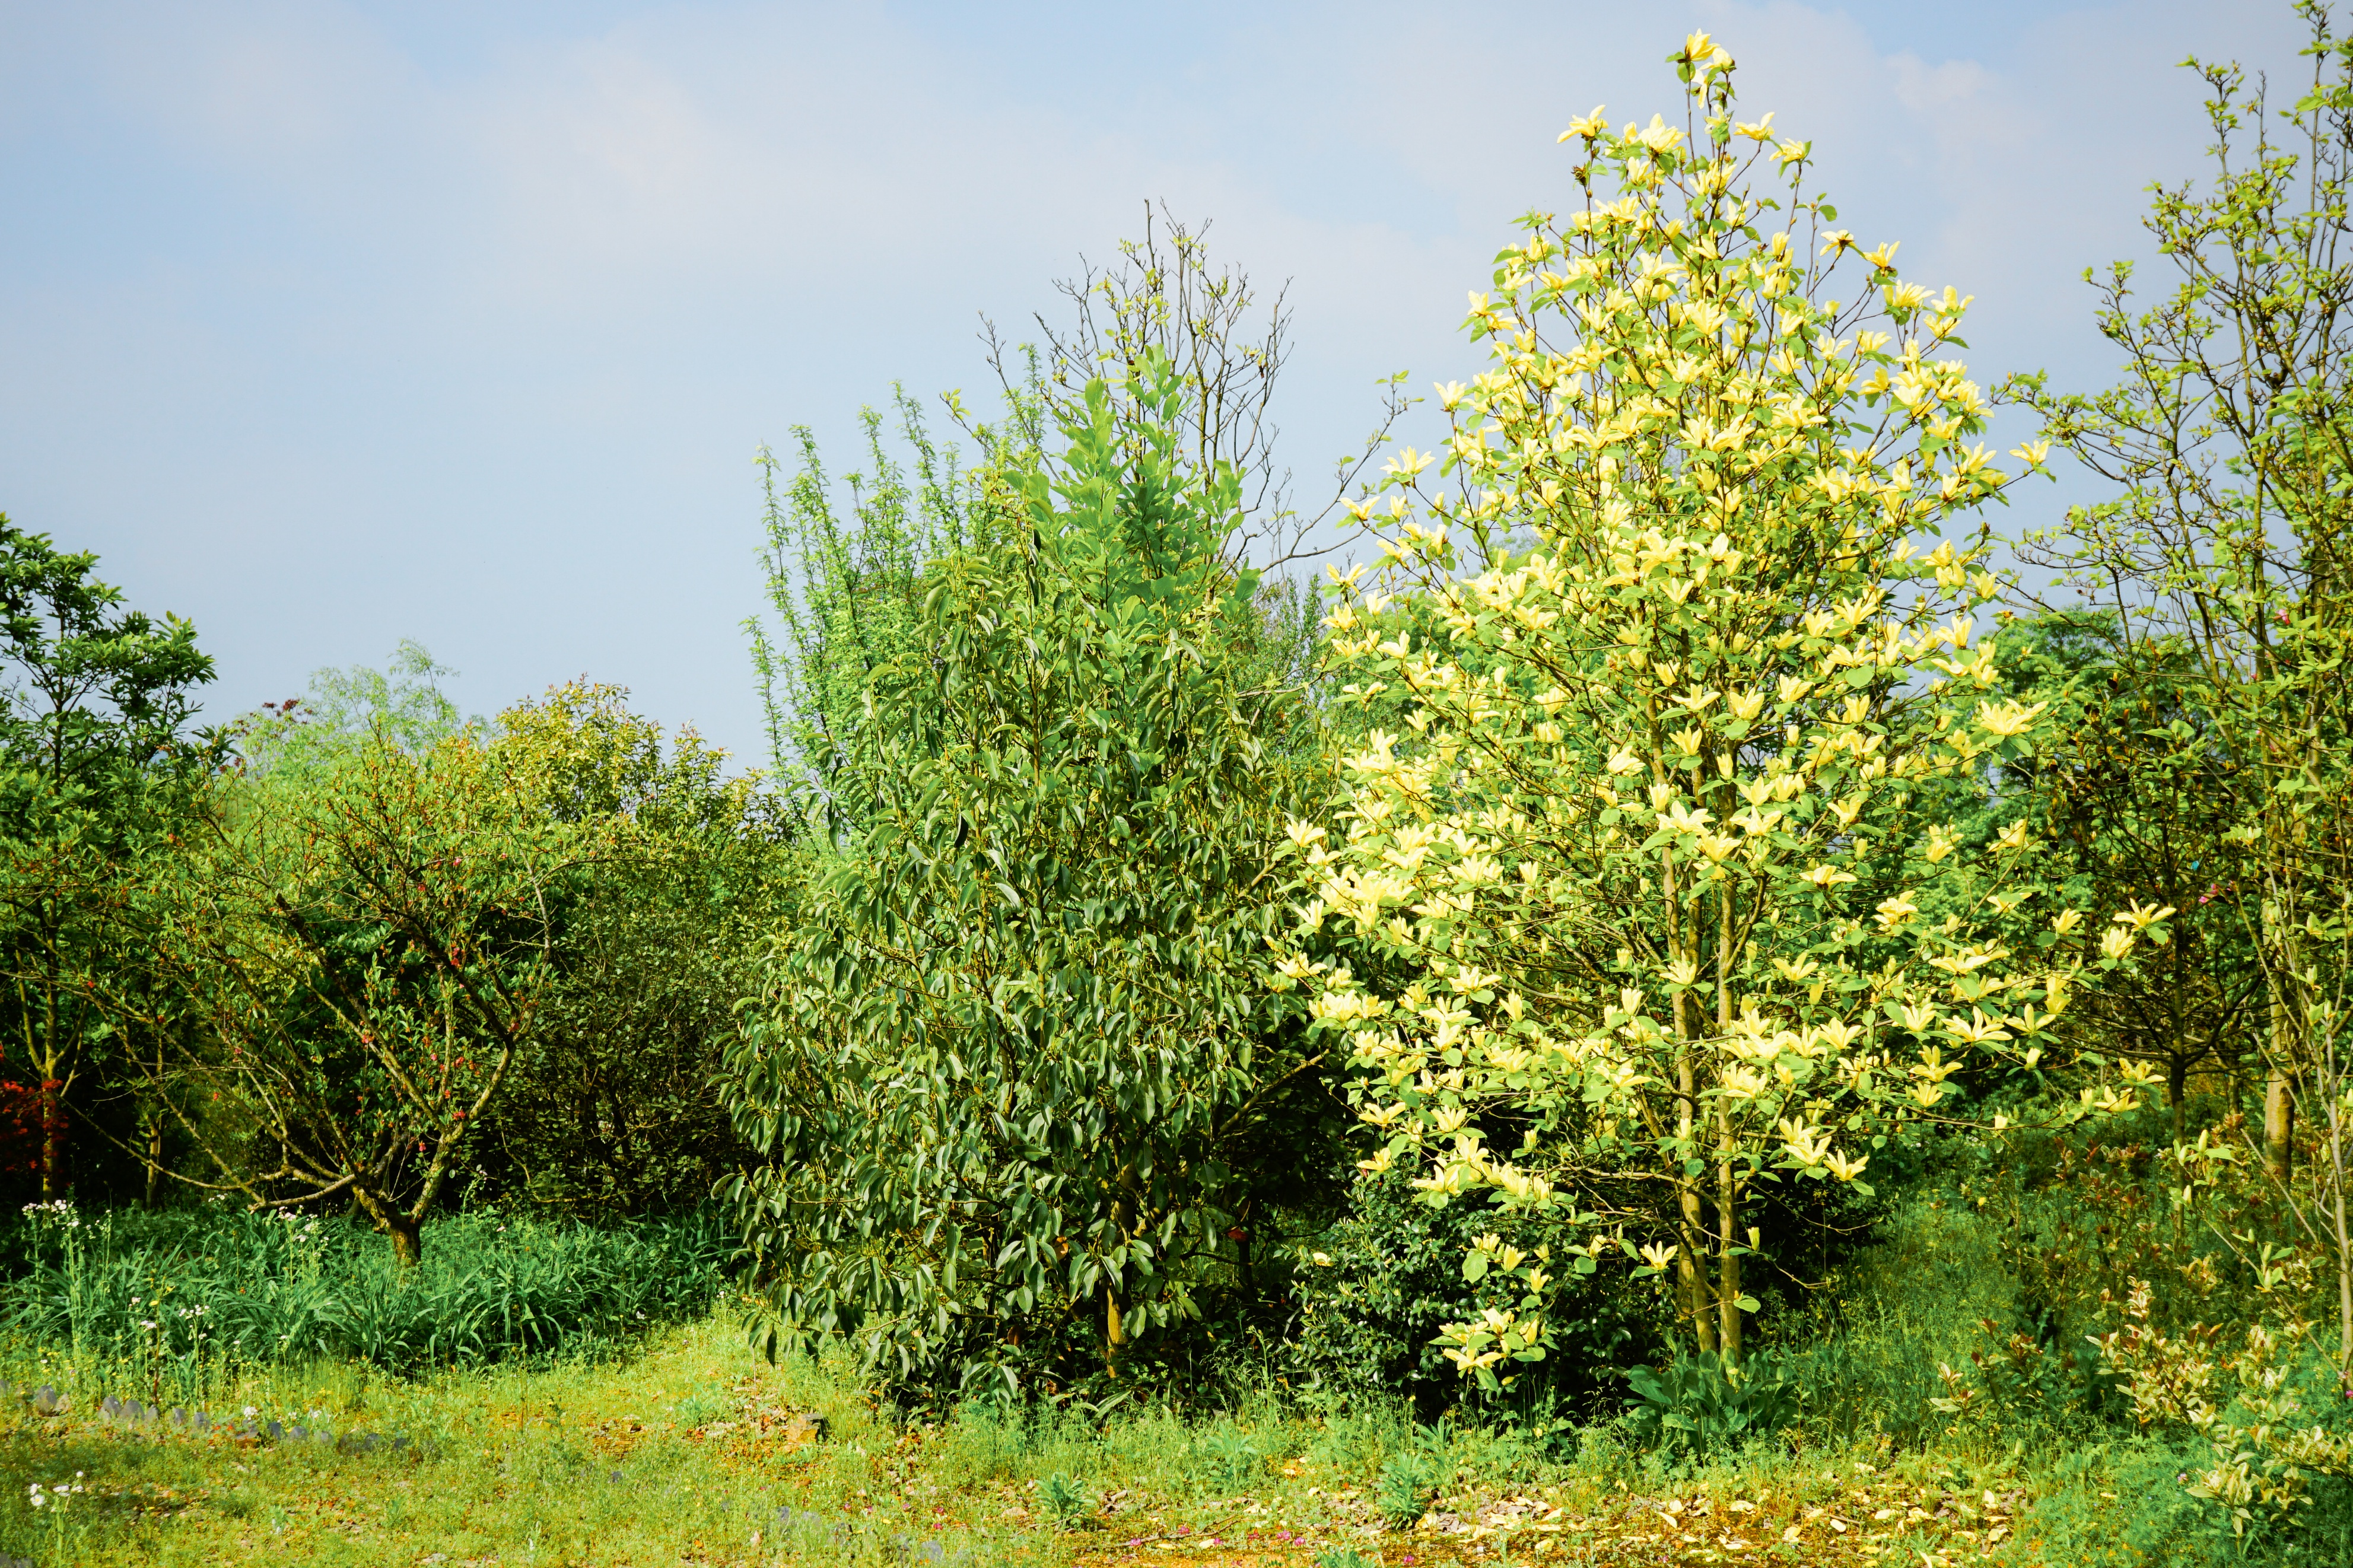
(1727, 1289)
(53, 1120)
(2279, 1124)
(155, 1133)
(2343, 1250)
(1727, 1190)
(1694, 1277)
(53, 1140)
(1691, 1253)
(1689, 1275)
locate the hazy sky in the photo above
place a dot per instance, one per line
(330, 325)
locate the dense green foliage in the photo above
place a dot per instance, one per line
(95, 772)
(610, 1110)
(366, 952)
(1380, 1284)
(1020, 1071)
(848, 589)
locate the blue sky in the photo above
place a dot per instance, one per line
(332, 324)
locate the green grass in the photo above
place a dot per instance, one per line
(657, 1459)
(688, 1447)
(167, 1306)
(688, 1452)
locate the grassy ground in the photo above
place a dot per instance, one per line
(696, 1451)
(636, 1441)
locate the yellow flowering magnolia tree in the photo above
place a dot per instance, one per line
(1644, 866)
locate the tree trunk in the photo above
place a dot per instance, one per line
(2279, 1125)
(1728, 1288)
(1727, 1190)
(53, 1141)
(1691, 1255)
(155, 1132)
(47, 1056)
(406, 1231)
(2343, 1248)
(1692, 1278)
(2177, 1092)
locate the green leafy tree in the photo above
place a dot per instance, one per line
(610, 1110)
(367, 946)
(1018, 1074)
(847, 584)
(845, 574)
(2223, 553)
(405, 704)
(1227, 342)
(98, 767)
(2133, 797)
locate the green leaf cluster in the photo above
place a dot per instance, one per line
(1017, 1072)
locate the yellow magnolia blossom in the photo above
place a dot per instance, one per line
(1657, 136)
(2007, 720)
(1918, 1016)
(1704, 52)
(1844, 1169)
(1978, 1030)
(1409, 462)
(1592, 125)
(1805, 1145)
(2141, 917)
(1718, 848)
(1680, 818)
